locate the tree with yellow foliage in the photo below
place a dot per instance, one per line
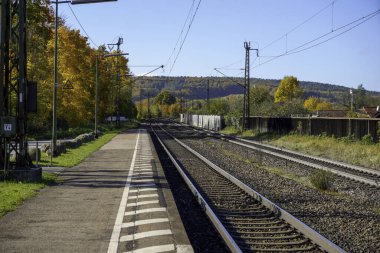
(287, 90)
(313, 104)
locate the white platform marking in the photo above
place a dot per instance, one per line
(144, 222)
(143, 196)
(137, 170)
(141, 235)
(142, 203)
(144, 180)
(143, 190)
(112, 247)
(147, 210)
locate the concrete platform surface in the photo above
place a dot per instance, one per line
(117, 200)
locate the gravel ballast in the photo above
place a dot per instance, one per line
(348, 216)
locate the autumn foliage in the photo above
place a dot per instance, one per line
(77, 67)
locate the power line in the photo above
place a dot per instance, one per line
(349, 29)
(187, 32)
(183, 28)
(299, 25)
(300, 48)
(286, 34)
(88, 36)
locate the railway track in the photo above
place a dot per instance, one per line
(360, 174)
(246, 220)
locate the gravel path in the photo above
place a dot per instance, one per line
(349, 216)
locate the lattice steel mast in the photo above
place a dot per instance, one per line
(14, 85)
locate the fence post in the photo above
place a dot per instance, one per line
(37, 153)
(349, 127)
(309, 126)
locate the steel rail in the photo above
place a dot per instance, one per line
(227, 238)
(325, 160)
(308, 232)
(238, 141)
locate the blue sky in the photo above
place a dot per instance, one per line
(151, 28)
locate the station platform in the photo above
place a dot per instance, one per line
(117, 200)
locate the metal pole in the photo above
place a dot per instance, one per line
(51, 153)
(96, 98)
(120, 41)
(208, 96)
(149, 116)
(54, 131)
(352, 100)
(246, 114)
(5, 157)
(37, 153)
(118, 93)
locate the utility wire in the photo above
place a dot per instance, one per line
(88, 36)
(349, 29)
(287, 33)
(180, 35)
(299, 25)
(187, 32)
(231, 64)
(300, 48)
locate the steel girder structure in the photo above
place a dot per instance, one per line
(13, 91)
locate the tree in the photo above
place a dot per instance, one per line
(324, 105)
(287, 90)
(165, 98)
(259, 94)
(311, 104)
(219, 106)
(260, 97)
(360, 97)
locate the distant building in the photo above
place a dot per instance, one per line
(372, 111)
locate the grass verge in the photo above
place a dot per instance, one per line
(352, 152)
(12, 193)
(74, 156)
(230, 130)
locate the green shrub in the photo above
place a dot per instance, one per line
(367, 139)
(321, 180)
(348, 138)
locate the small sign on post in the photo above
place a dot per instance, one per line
(8, 126)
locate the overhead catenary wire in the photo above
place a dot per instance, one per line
(299, 25)
(75, 16)
(187, 33)
(287, 33)
(301, 48)
(181, 33)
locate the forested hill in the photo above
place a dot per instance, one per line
(195, 87)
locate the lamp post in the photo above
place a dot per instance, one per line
(96, 96)
(55, 86)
